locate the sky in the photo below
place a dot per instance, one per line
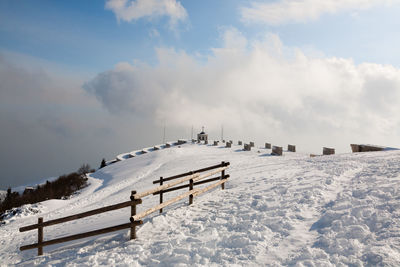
(86, 80)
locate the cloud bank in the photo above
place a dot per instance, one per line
(130, 10)
(287, 11)
(262, 90)
(51, 126)
(259, 90)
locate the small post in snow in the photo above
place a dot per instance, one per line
(190, 189)
(161, 192)
(40, 236)
(291, 148)
(328, 151)
(223, 175)
(133, 213)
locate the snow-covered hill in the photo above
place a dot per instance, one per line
(322, 211)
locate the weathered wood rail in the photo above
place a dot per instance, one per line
(41, 224)
(193, 178)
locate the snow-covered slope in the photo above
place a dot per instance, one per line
(322, 211)
(2, 195)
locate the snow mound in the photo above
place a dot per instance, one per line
(24, 211)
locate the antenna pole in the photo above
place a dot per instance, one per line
(164, 135)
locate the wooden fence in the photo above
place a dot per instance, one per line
(192, 183)
(193, 178)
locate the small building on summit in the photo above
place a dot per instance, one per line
(202, 136)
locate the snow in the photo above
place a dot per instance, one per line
(123, 156)
(18, 212)
(2, 195)
(291, 210)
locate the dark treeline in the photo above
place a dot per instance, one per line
(61, 188)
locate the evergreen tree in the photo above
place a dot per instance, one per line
(8, 196)
(103, 163)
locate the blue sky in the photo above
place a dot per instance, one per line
(83, 80)
(85, 36)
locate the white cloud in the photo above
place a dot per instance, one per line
(130, 10)
(286, 11)
(262, 90)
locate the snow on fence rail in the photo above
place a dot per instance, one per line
(41, 224)
(193, 177)
(221, 167)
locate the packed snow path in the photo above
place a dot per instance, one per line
(290, 210)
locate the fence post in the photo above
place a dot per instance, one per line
(133, 213)
(40, 236)
(161, 192)
(190, 188)
(223, 175)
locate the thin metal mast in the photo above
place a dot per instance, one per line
(164, 135)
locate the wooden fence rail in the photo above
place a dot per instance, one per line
(82, 215)
(188, 185)
(219, 168)
(82, 235)
(193, 177)
(41, 224)
(223, 164)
